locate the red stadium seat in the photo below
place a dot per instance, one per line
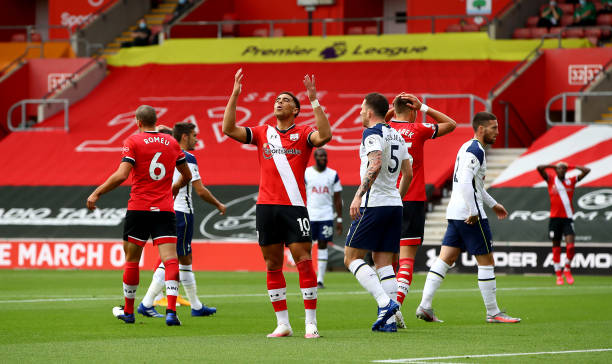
(470, 28)
(573, 33)
(260, 32)
(18, 37)
(373, 29)
(521, 33)
(228, 30)
(592, 32)
(354, 30)
(532, 21)
(35, 37)
(454, 28)
(604, 19)
(568, 9)
(567, 20)
(278, 32)
(555, 30)
(538, 32)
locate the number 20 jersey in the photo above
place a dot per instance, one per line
(153, 156)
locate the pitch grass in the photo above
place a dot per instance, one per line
(36, 325)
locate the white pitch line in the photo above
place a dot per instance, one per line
(414, 360)
(327, 293)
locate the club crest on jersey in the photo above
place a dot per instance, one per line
(294, 137)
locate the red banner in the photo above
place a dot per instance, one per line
(108, 255)
(71, 13)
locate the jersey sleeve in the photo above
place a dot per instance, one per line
(428, 131)
(308, 131)
(180, 157)
(253, 134)
(404, 154)
(128, 153)
(372, 140)
(337, 185)
(193, 167)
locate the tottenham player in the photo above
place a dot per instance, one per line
(468, 227)
(281, 216)
(150, 157)
(323, 195)
(186, 135)
(405, 108)
(377, 217)
(561, 192)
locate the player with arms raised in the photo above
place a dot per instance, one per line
(377, 218)
(281, 216)
(468, 226)
(151, 158)
(561, 192)
(405, 107)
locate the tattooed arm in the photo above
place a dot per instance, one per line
(374, 165)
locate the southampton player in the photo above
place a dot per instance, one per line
(281, 217)
(151, 157)
(376, 209)
(323, 195)
(405, 107)
(468, 226)
(561, 192)
(186, 135)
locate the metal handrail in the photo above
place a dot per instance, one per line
(32, 29)
(23, 124)
(324, 21)
(92, 16)
(564, 96)
(604, 69)
(507, 106)
(471, 97)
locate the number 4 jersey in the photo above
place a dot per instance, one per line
(153, 156)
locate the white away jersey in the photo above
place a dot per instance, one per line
(470, 162)
(383, 191)
(320, 189)
(183, 201)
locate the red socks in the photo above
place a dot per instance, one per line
(404, 278)
(570, 251)
(277, 289)
(172, 279)
(131, 277)
(308, 284)
(556, 250)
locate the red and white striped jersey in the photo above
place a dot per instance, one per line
(283, 156)
(561, 195)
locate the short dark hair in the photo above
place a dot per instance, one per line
(378, 103)
(165, 131)
(401, 105)
(146, 115)
(482, 118)
(295, 100)
(182, 128)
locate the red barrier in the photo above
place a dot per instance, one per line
(108, 255)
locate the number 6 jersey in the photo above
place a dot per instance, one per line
(383, 191)
(153, 156)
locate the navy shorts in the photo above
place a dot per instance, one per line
(378, 229)
(475, 239)
(322, 230)
(559, 227)
(184, 233)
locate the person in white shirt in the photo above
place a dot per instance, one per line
(323, 196)
(376, 209)
(468, 226)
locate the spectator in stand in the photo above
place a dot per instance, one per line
(180, 8)
(607, 7)
(140, 36)
(584, 14)
(550, 15)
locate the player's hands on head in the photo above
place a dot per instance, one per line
(471, 220)
(500, 211)
(91, 201)
(237, 82)
(354, 209)
(310, 87)
(221, 209)
(414, 102)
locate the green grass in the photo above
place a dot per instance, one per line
(82, 328)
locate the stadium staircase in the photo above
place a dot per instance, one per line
(606, 118)
(155, 20)
(497, 160)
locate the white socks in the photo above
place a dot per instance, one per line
(322, 256)
(189, 284)
(436, 274)
(487, 285)
(369, 280)
(155, 288)
(389, 285)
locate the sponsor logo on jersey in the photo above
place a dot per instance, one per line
(269, 150)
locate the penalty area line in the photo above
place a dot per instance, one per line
(415, 360)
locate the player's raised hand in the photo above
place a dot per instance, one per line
(237, 82)
(91, 201)
(500, 211)
(310, 87)
(413, 101)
